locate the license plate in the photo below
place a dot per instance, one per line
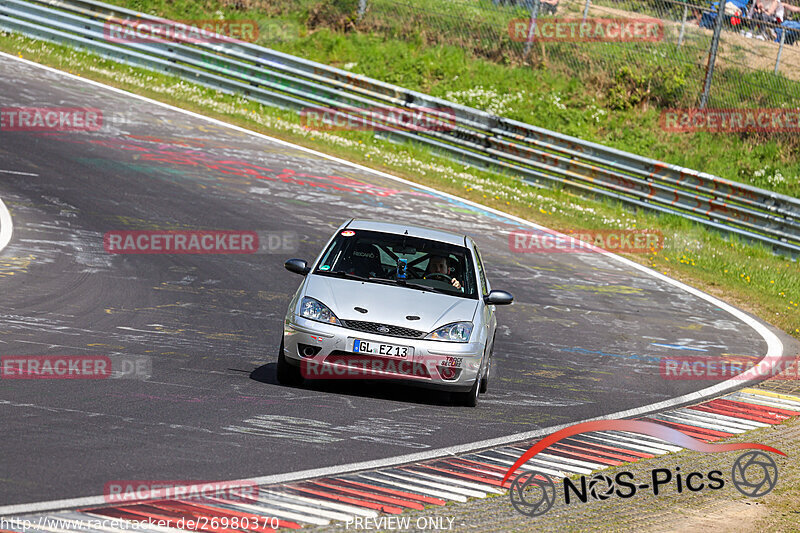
(379, 348)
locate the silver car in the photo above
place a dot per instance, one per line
(392, 301)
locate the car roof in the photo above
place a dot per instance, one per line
(413, 231)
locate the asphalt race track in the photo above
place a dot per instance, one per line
(582, 339)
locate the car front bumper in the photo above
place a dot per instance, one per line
(324, 351)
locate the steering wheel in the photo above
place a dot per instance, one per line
(443, 277)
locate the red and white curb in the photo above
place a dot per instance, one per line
(390, 491)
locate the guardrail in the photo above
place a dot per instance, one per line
(535, 155)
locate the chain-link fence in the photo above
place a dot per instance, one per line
(666, 46)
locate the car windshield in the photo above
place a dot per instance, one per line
(377, 257)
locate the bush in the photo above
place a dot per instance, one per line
(339, 15)
(661, 86)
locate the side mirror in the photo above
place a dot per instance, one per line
(498, 298)
(298, 266)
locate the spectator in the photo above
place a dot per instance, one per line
(773, 12)
(789, 25)
(733, 9)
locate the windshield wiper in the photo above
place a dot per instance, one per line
(343, 274)
(426, 288)
(404, 283)
(384, 281)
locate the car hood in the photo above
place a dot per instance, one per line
(389, 304)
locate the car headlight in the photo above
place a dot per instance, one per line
(455, 332)
(315, 310)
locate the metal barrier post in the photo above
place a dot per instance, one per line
(712, 55)
(532, 26)
(586, 9)
(780, 49)
(683, 26)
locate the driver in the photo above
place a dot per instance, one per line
(438, 264)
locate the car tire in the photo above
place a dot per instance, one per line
(287, 373)
(469, 398)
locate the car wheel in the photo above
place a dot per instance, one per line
(469, 398)
(287, 373)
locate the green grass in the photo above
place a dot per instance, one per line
(746, 275)
(617, 99)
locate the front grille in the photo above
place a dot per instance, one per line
(373, 327)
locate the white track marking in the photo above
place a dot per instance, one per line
(617, 443)
(455, 481)
(669, 417)
(525, 466)
(276, 512)
(774, 344)
(563, 465)
(352, 509)
(313, 511)
(428, 483)
(655, 441)
(690, 417)
(635, 437)
(771, 400)
(783, 397)
(725, 418)
(536, 463)
(418, 489)
(569, 460)
(17, 173)
(763, 401)
(6, 226)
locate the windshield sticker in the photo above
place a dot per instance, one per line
(348, 233)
